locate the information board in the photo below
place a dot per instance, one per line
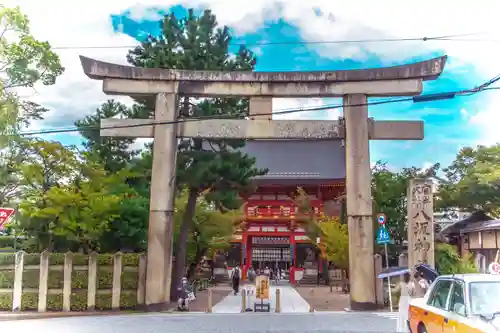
(262, 287)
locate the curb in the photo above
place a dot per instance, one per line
(51, 315)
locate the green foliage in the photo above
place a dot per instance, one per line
(389, 191)
(449, 261)
(472, 181)
(114, 153)
(24, 61)
(335, 239)
(70, 200)
(210, 229)
(333, 234)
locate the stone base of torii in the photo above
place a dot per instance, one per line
(354, 86)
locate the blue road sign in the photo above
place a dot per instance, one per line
(381, 218)
(383, 236)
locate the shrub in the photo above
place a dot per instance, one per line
(449, 261)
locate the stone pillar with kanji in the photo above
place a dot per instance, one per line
(420, 222)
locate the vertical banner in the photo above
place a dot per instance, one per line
(262, 287)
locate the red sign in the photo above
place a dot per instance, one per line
(5, 213)
(381, 218)
(494, 268)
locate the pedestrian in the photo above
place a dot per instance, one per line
(421, 285)
(407, 292)
(251, 275)
(235, 278)
(185, 295)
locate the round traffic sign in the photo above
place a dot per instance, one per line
(381, 218)
(494, 268)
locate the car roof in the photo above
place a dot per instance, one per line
(474, 277)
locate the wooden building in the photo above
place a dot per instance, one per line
(478, 235)
(270, 235)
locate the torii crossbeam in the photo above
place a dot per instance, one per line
(355, 86)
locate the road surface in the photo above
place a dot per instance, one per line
(346, 322)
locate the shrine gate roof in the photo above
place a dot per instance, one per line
(289, 161)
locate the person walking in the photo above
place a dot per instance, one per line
(406, 288)
(251, 275)
(235, 278)
(421, 285)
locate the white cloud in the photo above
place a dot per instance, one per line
(70, 23)
(488, 120)
(292, 104)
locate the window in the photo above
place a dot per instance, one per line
(483, 297)
(457, 302)
(440, 294)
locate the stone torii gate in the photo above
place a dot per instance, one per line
(355, 86)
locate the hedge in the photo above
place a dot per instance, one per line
(79, 283)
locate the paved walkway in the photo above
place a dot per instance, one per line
(291, 301)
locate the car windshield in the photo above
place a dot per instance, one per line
(484, 297)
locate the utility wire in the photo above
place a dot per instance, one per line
(415, 99)
(457, 37)
(221, 117)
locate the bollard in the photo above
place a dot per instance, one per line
(243, 301)
(278, 301)
(209, 305)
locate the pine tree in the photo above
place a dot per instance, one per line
(213, 168)
(114, 152)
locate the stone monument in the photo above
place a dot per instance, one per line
(420, 222)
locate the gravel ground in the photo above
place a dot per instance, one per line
(321, 299)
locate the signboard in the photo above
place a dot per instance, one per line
(381, 218)
(270, 240)
(494, 268)
(5, 213)
(262, 287)
(383, 236)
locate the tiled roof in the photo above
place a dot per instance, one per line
(307, 160)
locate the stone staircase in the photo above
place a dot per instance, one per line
(309, 280)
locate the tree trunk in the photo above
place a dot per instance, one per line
(181, 251)
(197, 258)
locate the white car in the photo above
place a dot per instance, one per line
(468, 303)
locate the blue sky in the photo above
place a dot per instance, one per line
(448, 123)
(445, 130)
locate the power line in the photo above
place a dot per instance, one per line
(415, 99)
(456, 37)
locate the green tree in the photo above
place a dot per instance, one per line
(128, 230)
(449, 261)
(210, 229)
(24, 61)
(335, 239)
(211, 167)
(82, 210)
(12, 158)
(472, 181)
(47, 165)
(69, 200)
(115, 153)
(389, 192)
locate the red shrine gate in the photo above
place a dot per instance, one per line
(270, 234)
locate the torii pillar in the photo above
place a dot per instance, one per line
(354, 86)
